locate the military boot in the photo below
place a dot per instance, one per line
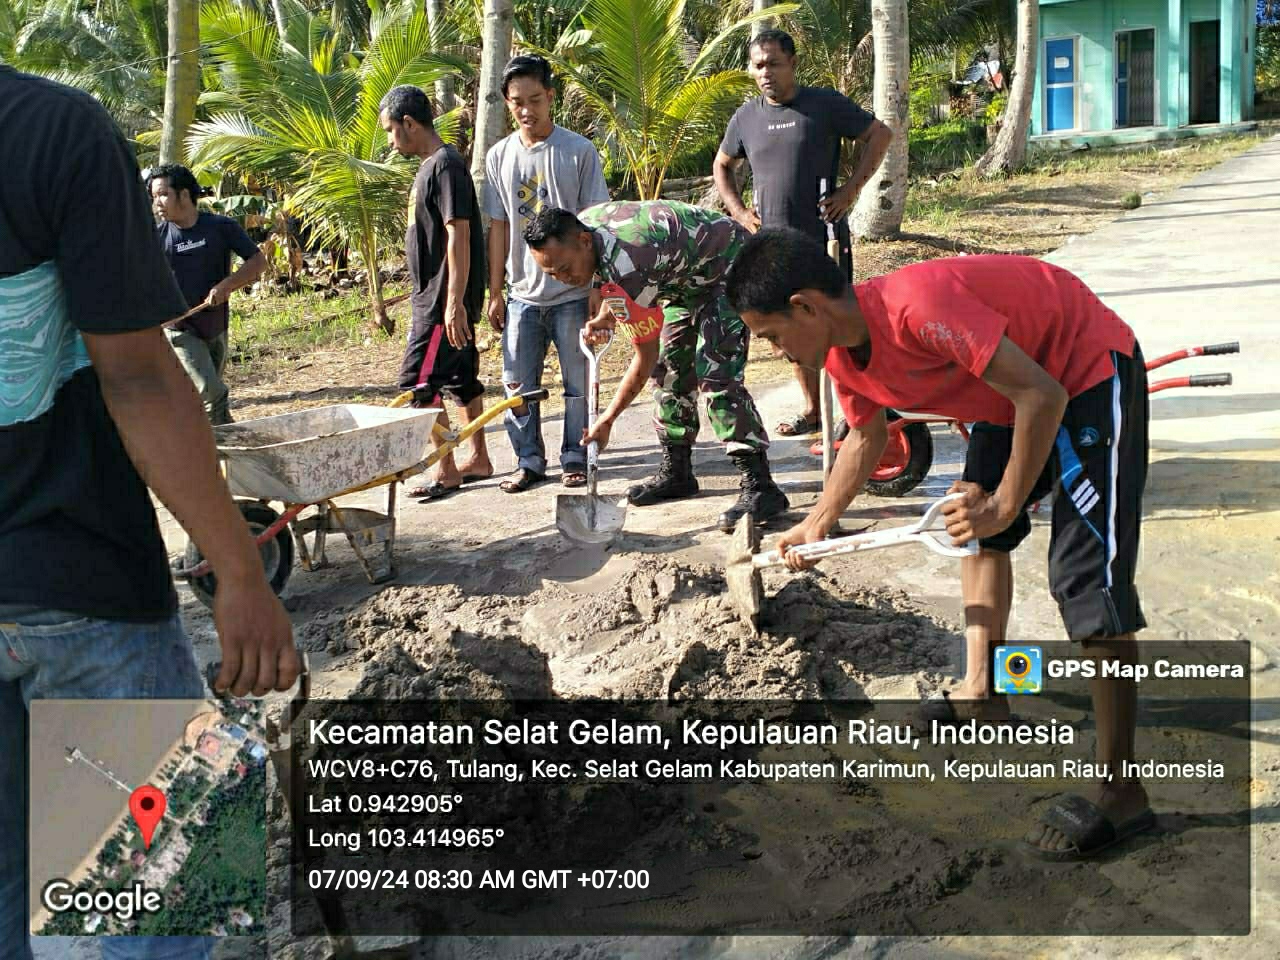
(760, 496)
(673, 481)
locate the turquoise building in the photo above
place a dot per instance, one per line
(1126, 71)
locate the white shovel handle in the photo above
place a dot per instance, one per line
(593, 399)
(922, 531)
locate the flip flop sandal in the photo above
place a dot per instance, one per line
(939, 707)
(431, 491)
(1088, 828)
(575, 478)
(799, 424)
(520, 481)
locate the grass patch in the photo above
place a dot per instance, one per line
(945, 147)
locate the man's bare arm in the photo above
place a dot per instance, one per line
(722, 171)
(499, 244)
(249, 271)
(855, 461)
(458, 257)
(874, 144)
(163, 426)
(1038, 402)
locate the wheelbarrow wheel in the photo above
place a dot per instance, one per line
(277, 553)
(906, 460)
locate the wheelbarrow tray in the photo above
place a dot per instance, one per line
(315, 455)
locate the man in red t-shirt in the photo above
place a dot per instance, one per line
(1055, 383)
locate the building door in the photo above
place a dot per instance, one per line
(1204, 71)
(1060, 84)
(1135, 78)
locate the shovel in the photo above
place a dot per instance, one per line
(589, 518)
(743, 564)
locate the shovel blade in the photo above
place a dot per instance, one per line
(589, 519)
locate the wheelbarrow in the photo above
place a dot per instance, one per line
(309, 459)
(908, 455)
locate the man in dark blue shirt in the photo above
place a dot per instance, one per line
(791, 136)
(199, 245)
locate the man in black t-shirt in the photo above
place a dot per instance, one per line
(444, 245)
(199, 245)
(94, 407)
(791, 136)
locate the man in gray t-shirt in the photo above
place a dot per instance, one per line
(541, 165)
(791, 136)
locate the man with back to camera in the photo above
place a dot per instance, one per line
(198, 245)
(791, 136)
(1056, 385)
(660, 251)
(94, 408)
(444, 246)
(540, 165)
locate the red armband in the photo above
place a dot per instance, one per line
(639, 324)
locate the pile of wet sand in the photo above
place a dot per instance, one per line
(661, 629)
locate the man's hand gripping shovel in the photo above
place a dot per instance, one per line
(590, 518)
(743, 564)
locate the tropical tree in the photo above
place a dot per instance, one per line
(878, 212)
(300, 113)
(114, 49)
(491, 115)
(653, 99)
(1009, 152)
(182, 81)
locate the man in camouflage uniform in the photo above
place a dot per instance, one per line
(656, 252)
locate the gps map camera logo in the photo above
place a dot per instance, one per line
(1018, 670)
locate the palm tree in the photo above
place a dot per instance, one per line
(1009, 152)
(300, 114)
(491, 114)
(880, 206)
(114, 50)
(653, 102)
(182, 83)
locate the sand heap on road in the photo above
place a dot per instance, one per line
(659, 628)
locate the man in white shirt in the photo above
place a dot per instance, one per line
(540, 165)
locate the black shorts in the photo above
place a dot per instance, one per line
(1097, 470)
(433, 366)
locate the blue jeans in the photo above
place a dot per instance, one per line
(530, 329)
(48, 654)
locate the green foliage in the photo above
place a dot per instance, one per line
(1267, 60)
(654, 102)
(299, 113)
(113, 49)
(945, 147)
(184, 792)
(1131, 201)
(226, 868)
(995, 109)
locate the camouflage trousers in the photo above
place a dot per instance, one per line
(704, 350)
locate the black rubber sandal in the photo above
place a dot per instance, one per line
(1088, 828)
(520, 481)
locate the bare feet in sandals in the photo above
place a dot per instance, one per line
(520, 481)
(573, 479)
(1076, 827)
(800, 424)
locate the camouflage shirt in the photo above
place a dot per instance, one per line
(661, 250)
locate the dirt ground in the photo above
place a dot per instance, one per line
(490, 601)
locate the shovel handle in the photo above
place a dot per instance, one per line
(922, 531)
(593, 398)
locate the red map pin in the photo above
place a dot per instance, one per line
(147, 806)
